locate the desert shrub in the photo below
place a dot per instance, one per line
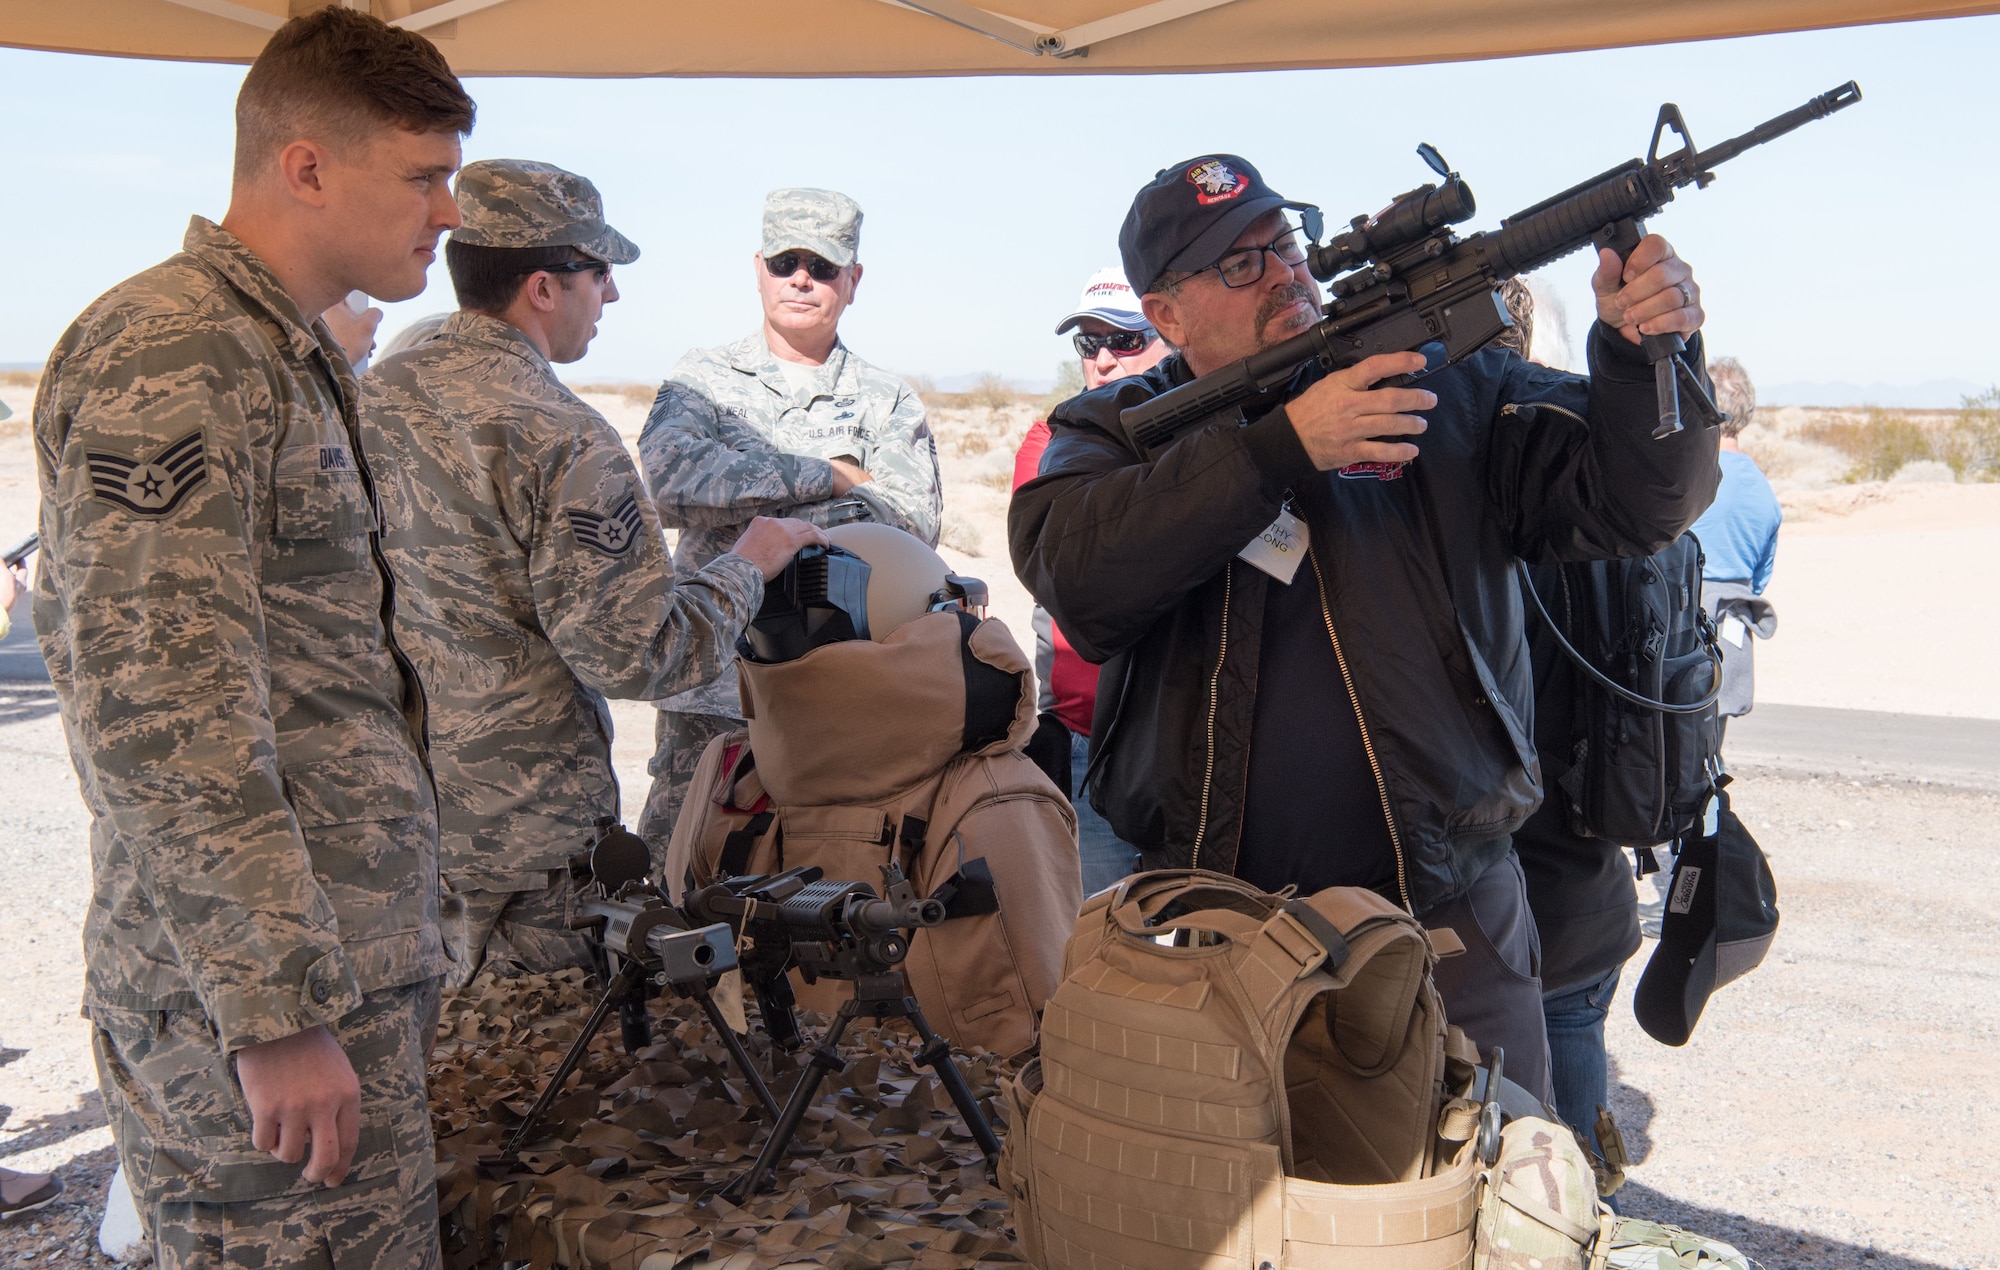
(991, 393)
(1878, 444)
(960, 536)
(1069, 382)
(630, 394)
(1971, 446)
(20, 378)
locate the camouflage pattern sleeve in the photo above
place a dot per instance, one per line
(604, 587)
(153, 508)
(907, 491)
(708, 469)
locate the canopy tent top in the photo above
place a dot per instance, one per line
(816, 38)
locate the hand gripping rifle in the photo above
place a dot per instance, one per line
(831, 930)
(647, 942)
(1403, 281)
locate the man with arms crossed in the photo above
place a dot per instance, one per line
(1362, 719)
(785, 422)
(533, 575)
(263, 950)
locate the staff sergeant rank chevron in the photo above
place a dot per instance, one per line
(155, 486)
(614, 534)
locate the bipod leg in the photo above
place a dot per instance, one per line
(635, 1027)
(825, 1058)
(616, 991)
(936, 1055)
(734, 1044)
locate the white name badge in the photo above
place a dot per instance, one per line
(1280, 548)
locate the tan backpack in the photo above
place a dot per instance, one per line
(909, 749)
(1232, 1080)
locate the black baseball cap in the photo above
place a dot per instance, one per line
(1721, 918)
(1190, 215)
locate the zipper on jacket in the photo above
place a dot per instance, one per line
(1214, 686)
(1367, 742)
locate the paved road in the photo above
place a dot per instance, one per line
(1869, 743)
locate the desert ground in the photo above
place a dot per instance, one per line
(1830, 1110)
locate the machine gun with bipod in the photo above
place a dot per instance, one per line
(832, 930)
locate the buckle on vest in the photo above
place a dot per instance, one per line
(1323, 933)
(1297, 941)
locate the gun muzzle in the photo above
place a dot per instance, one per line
(885, 917)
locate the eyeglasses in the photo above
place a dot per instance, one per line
(1121, 343)
(1244, 266)
(787, 263)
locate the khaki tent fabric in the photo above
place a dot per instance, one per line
(937, 37)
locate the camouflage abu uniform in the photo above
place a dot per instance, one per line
(534, 581)
(729, 438)
(246, 734)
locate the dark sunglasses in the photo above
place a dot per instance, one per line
(1121, 343)
(575, 266)
(787, 263)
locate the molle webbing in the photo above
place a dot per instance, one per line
(1229, 1079)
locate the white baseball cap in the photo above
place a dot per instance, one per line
(1108, 298)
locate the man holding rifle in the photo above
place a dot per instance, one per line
(1308, 606)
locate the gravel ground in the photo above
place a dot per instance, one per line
(1822, 1115)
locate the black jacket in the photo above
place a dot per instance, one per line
(1136, 561)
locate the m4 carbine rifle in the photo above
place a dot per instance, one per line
(1403, 281)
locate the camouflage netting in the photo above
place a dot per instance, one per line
(624, 1169)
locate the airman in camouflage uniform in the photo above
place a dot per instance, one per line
(262, 951)
(739, 431)
(535, 579)
(214, 611)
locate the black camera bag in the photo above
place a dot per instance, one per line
(1645, 736)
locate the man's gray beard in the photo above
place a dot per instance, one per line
(1269, 309)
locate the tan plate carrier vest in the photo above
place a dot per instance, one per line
(855, 755)
(1234, 1098)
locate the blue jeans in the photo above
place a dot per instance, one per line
(1106, 858)
(1578, 1067)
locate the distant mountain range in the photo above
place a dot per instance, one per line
(1931, 394)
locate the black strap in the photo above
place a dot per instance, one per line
(1322, 929)
(1637, 699)
(991, 694)
(911, 838)
(970, 892)
(736, 848)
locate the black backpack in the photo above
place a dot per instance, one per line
(1645, 737)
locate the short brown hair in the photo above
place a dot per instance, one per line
(488, 279)
(337, 75)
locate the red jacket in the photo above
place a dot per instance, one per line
(1072, 681)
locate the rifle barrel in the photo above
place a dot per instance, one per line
(1818, 108)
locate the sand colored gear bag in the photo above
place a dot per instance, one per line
(910, 749)
(1233, 1080)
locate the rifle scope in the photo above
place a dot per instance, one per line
(1410, 217)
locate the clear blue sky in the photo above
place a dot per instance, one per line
(1855, 249)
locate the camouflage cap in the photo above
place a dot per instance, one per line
(518, 203)
(824, 222)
